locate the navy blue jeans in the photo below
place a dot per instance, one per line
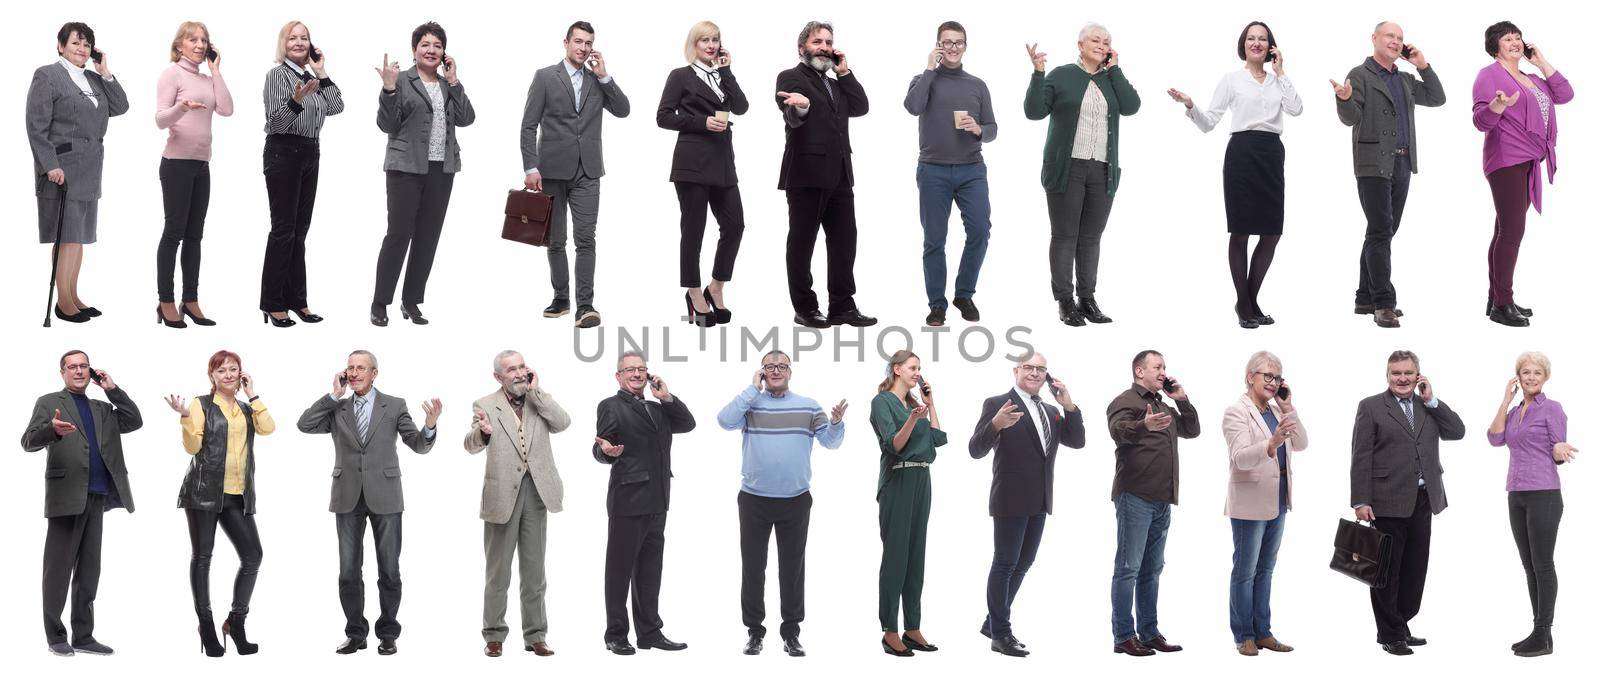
(1016, 542)
(1255, 552)
(1141, 553)
(968, 187)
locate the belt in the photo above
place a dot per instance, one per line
(1402, 151)
(912, 464)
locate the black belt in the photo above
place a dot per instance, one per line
(292, 140)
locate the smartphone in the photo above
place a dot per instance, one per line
(97, 55)
(344, 379)
(1405, 51)
(655, 382)
(1048, 381)
(1422, 388)
(1283, 392)
(312, 51)
(1527, 51)
(244, 381)
(211, 52)
(1168, 385)
(93, 375)
(1271, 55)
(722, 57)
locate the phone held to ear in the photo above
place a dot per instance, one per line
(211, 53)
(1272, 54)
(655, 382)
(1527, 51)
(1405, 51)
(97, 55)
(1283, 392)
(1168, 385)
(1051, 382)
(312, 51)
(923, 386)
(94, 375)
(344, 379)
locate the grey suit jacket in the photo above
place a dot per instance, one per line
(370, 469)
(66, 474)
(512, 456)
(406, 114)
(66, 132)
(1384, 453)
(1370, 112)
(559, 138)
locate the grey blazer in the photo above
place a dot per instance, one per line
(511, 456)
(406, 114)
(371, 469)
(1384, 453)
(1370, 112)
(571, 132)
(66, 132)
(66, 474)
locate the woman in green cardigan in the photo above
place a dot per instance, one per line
(907, 433)
(1084, 101)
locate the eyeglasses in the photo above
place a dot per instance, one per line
(775, 368)
(1033, 369)
(953, 44)
(633, 370)
(1270, 377)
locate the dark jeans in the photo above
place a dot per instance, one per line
(968, 187)
(1141, 555)
(1255, 554)
(1383, 201)
(290, 164)
(1394, 606)
(1077, 218)
(834, 210)
(758, 518)
(1016, 542)
(352, 530)
(1535, 518)
(240, 527)
(185, 196)
(1509, 186)
(634, 546)
(72, 564)
(581, 197)
(417, 204)
(693, 199)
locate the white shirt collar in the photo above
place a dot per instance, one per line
(371, 397)
(72, 69)
(571, 71)
(1027, 398)
(294, 67)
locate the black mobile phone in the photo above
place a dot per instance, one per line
(1283, 392)
(344, 379)
(93, 375)
(244, 380)
(1271, 55)
(1168, 385)
(97, 55)
(211, 52)
(655, 382)
(1405, 51)
(923, 386)
(1527, 51)
(312, 51)
(1052, 384)
(1422, 388)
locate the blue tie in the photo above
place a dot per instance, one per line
(363, 418)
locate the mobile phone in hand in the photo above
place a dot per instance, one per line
(1283, 392)
(1048, 381)
(655, 382)
(923, 386)
(344, 379)
(1168, 385)
(211, 53)
(1405, 51)
(97, 55)
(94, 375)
(312, 52)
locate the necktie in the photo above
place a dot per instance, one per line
(577, 90)
(826, 85)
(363, 418)
(1044, 421)
(646, 405)
(1411, 418)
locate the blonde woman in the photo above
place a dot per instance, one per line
(908, 431)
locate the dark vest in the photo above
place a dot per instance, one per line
(202, 484)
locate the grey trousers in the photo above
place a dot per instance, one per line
(581, 197)
(524, 535)
(1077, 218)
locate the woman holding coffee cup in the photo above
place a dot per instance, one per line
(696, 102)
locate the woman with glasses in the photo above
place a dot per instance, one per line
(69, 106)
(908, 431)
(1261, 430)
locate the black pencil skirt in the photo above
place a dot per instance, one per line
(1252, 183)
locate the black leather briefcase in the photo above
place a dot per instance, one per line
(1362, 553)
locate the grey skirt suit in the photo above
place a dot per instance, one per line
(66, 131)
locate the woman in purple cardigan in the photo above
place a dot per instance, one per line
(1516, 112)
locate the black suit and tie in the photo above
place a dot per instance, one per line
(816, 175)
(1022, 492)
(636, 503)
(1395, 469)
(702, 165)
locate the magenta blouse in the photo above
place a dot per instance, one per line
(1532, 438)
(1519, 134)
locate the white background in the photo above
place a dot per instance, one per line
(1164, 278)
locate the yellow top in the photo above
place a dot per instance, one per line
(194, 427)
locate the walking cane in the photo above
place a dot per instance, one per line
(55, 252)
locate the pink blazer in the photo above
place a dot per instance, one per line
(1252, 476)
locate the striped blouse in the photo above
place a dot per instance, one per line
(284, 115)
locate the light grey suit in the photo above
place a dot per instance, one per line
(520, 487)
(406, 115)
(561, 139)
(67, 132)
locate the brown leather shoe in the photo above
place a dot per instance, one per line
(1160, 644)
(1385, 317)
(539, 649)
(1133, 648)
(1273, 645)
(1367, 309)
(492, 649)
(1248, 648)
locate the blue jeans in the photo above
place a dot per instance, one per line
(1255, 552)
(968, 186)
(1141, 548)
(1016, 542)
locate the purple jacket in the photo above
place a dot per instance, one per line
(1532, 438)
(1519, 134)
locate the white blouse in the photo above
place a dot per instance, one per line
(1256, 106)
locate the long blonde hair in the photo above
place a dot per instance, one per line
(899, 358)
(696, 32)
(183, 32)
(283, 37)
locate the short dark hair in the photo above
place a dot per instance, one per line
(579, 26)
(1271, 41)
(949, 26)
(82, 29)
(431, 28)
(811, 27)
(1138, 360)
(1403, 355)
(72, 352)
(1491, 36)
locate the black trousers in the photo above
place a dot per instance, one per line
(1016, 542)
(1535, 518)
(834, 210)
(417, 204)
(1394, 606)
(1383, 200)
(290, 164)
(185, 196)
(758, 518)
(693, 199)
(634, 545)
(352, 529)
(72, 565)
(240, 527)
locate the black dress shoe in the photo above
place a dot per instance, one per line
(1069, 314)
(662, 643)
(1414, 641)
(306, 316)
(969, 312)
(351, 646)
(723, 316)
(1397, 648)
(1007, 646)
(587, 317)
(619, 647)
(1488, 308)
(1247, 320)
(413, 313)
(1091, 311)
(197, 318)
(1367, 309)
(380, 315)
(753, 645)
(95, 312)
(1133, 648)
(792, 647)
(1508, 315)
(984, 631)
(81, 316)
(853, 318)
(935, 318)
(696, 318)
(160, 318)
(811, 319)
(920, 647)
(889, 649)
(386, 647)
(557, 308)
(285, 321)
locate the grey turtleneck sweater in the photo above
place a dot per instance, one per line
(935, 95)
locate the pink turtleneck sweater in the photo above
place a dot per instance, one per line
(189, 132)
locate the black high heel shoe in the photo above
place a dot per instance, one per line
(285, 321)
(79, 317)
(919, 647)
(208, 637)
(160, 318)
(183, 310)
(380, 315)
(1246, 320)
(697, 318)
(233, 627)
(722, 316)
(889, 649)
(413, 313)
(306, 316)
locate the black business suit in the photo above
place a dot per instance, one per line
(818, 179)
(702, 167)
(1022, 492)
(636, 502)
(1389, 456)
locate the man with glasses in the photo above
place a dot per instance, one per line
(84, 477)
(955, 119)
(779, 427)
(634, 436)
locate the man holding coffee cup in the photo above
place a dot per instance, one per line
(950, 166)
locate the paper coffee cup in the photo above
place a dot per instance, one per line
(960, 115)
(722, 116)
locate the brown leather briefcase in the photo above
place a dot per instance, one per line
(527, 217)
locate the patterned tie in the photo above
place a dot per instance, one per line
(577, 90)
(826, 85)
(1411, 418)
(1044, 421)
(363, 418)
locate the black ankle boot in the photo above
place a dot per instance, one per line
(1538, 644)
(233, 628)
(208, 636)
